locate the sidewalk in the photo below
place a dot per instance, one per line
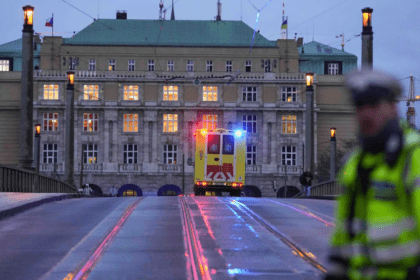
(12, 203)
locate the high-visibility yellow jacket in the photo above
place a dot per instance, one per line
(382, 241)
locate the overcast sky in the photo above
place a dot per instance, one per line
(396, 25)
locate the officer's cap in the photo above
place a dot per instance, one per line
(372, 86)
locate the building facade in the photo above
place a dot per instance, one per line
(142, 88)
(334, 107)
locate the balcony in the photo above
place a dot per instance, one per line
(50, 167)
(169, 168)
(203, 76)
(285, 169)
(252, 169)
(92, 167)
(130, 168)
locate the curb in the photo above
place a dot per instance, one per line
(329, 197)
(15, 210)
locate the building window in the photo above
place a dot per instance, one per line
(111, 65)
(288, 94)
(249, 123)
(288, 124)
(209, 66)
(333, 68)
(131, 92)
(90, 153)
(170, 122)
(249, 93)
(131, 65)
(248, 65)
(92, 65)
(170, 93)
(230, 125)
(210, 93)
(251, 155)
(151, 65)
(130, 154)
(228, 66)
(210, 122)
(50, 91)
(190, 65)
(169, 154)
(50, 121)
(170, 67)
(130, 122)
(4, 65)
(90, 122)
(288, 155)
(91, 92)
(50, 153)
(267, 66)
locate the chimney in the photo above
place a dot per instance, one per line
(121, 14)
(219, 10)
(299, 42)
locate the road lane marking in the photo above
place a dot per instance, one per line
(71, 275)
(307, 256)
(84, 272)
(303, 206)
(197, 260)
(306, 213)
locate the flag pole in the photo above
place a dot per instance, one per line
(287, 26)
(52, 32)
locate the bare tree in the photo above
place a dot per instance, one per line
(343, 152)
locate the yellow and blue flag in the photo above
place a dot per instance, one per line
(284, 25)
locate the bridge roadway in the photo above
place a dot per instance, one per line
(168, 238)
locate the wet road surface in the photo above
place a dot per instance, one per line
(150, 238)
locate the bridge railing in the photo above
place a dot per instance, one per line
(19, 180)
(328, 188)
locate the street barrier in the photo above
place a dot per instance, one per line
(14, 179)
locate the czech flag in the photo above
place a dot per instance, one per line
(49, 22)
(284, 25)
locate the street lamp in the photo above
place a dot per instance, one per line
(333, 147)
(69, 148)
(367, 18)
(26, 101)
(28, 15)
(309, 79)
(37, 156)
(70, 79)
(367, 39)
(309, 123)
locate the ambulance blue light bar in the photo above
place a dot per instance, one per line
(239, 133)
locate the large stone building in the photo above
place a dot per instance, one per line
(142, 88)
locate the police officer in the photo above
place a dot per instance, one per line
(377, 234)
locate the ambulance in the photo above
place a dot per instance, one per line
(219, 164)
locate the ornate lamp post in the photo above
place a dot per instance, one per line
(26, 105)
(37, 156)
(309, 123)
(333, 148)
(69, 149)
(367, 39)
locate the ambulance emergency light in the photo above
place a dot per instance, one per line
(239, 133)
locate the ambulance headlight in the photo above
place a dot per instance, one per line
(238, 133)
